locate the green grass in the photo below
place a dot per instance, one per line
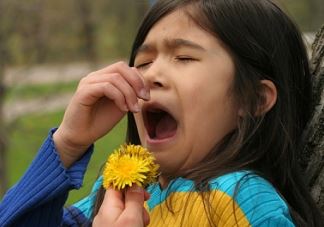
(27, 134)
(36, 91)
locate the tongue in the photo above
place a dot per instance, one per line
(166, 127)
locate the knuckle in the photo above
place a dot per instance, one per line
(82, 89)
(122, 64)
(138, 81)
(129, 93)
(83, 80)
(108, 87)
(91, 74)
(112, 92)
(115, 76)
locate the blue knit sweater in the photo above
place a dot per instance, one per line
(38, 198)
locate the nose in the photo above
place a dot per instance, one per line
(154, 76)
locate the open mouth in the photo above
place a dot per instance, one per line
(159, 123)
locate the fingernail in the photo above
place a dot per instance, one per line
(136, 108)
(144, 94)
(136, 188)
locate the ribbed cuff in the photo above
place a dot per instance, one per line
(45, 179)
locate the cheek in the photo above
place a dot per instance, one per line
(210, 115)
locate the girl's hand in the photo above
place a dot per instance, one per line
(119, 211)
(99, 103)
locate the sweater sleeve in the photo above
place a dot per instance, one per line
(38, 198)
(80, 213)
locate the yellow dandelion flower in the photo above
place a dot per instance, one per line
(128, 165)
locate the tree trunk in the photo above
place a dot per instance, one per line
(312, 159)
(39, 36)
(3, 140)
(87, 29)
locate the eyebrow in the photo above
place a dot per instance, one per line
(171, 44)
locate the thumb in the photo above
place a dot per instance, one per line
(134, 201)
(134, 198)
(111, 209)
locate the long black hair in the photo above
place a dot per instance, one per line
(264, 44)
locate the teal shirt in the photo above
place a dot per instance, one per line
(256, 197)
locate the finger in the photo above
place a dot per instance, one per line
(91, 93)
(112, 205)
(146, 195)
(134, 200)
(133, 77)
(120, 83)
(146, 217)
(128, 92)
(146, 85)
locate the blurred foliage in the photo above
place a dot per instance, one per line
(24, 144)
(308, 14)
(58, 30)
(27, 92)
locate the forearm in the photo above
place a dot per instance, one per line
(41, 193)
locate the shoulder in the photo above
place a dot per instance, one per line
(254, 196)
(242, 183)
(239, 197)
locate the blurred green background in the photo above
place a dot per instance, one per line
(46, 46)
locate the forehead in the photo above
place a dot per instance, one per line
(178, 26)
(174, 20)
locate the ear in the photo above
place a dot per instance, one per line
(268, 97)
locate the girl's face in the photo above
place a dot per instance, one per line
(190, 74)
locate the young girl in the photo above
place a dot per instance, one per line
(220, 94)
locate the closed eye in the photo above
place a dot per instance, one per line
(185, 59)
(143, 65)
